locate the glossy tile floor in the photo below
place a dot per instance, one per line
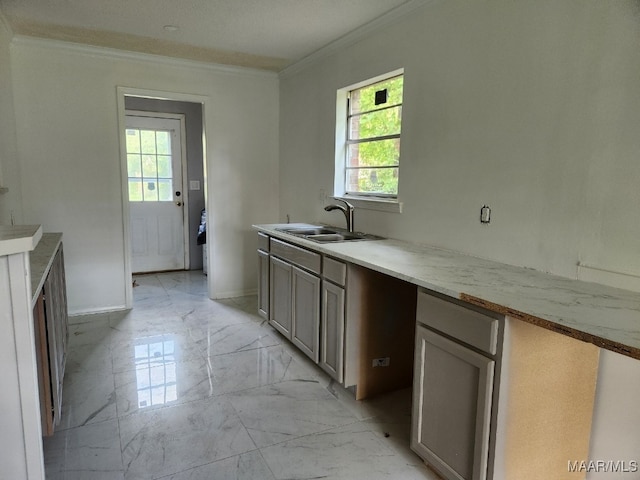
(183, 387)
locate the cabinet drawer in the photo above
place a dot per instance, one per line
(467, 325)
(334, 271)
(263, 242)
(299, 256)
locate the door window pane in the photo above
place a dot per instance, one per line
(148, 141)
(164, 166)
(149, 166)
(134, 166)
(150, 189)
(165, 193)
(163, 143)
(133, 140)
(135, 190)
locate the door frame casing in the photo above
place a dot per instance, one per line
(183, 167)
(121, 93)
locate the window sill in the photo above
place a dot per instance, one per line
(368, 203)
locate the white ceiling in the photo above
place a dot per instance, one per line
(268, 34)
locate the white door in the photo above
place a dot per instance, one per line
(156, 200)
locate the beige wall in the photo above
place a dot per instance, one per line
(68, 139)
(9, 167)
(530, 107)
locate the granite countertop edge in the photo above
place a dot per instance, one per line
(41, 259)
(605, 316)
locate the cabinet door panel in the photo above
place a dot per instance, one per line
(55, 302)
(452, 406)
(42, 360)
(306, 313)
(280, 296)
(263, 284)
(332, 327)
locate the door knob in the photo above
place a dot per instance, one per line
(179, 204)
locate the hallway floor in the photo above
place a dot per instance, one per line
(183, 387)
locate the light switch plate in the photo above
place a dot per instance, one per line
(194, 184)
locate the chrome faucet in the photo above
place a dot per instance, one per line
(347, 210)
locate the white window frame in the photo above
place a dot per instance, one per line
(366, 201)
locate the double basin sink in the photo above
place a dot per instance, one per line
(323, 234)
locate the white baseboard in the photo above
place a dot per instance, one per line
(95, 311)
(237, 293)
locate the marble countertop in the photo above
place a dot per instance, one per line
(41, 259)
(19, 238)
(605, 316)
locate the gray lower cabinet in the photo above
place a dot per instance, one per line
(305, 312)
(452, 406)
(280, 295)
(263, 284)
(55, 305)
(51, 334)
(456, 355)
(332, 330)
(294, 308)
(340, 315)
(290, 277)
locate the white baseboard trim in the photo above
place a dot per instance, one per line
(237, 293)
(95, 311)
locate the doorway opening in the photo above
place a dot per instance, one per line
(163, 182)
(156, 167)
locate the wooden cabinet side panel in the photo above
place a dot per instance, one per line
(550, 394)
(381, 315)
(42, 361)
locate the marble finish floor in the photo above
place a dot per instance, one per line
(183, 387)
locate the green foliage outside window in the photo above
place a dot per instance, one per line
(373, 165)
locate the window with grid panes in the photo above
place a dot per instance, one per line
(149, 165)
(374, 119)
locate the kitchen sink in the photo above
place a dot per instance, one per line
(322, 234)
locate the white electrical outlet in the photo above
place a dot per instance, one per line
(381, 362)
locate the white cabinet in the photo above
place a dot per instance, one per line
(20, 435)
(456, 352)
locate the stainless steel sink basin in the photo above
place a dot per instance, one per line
(322, 234)
(304, 231)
